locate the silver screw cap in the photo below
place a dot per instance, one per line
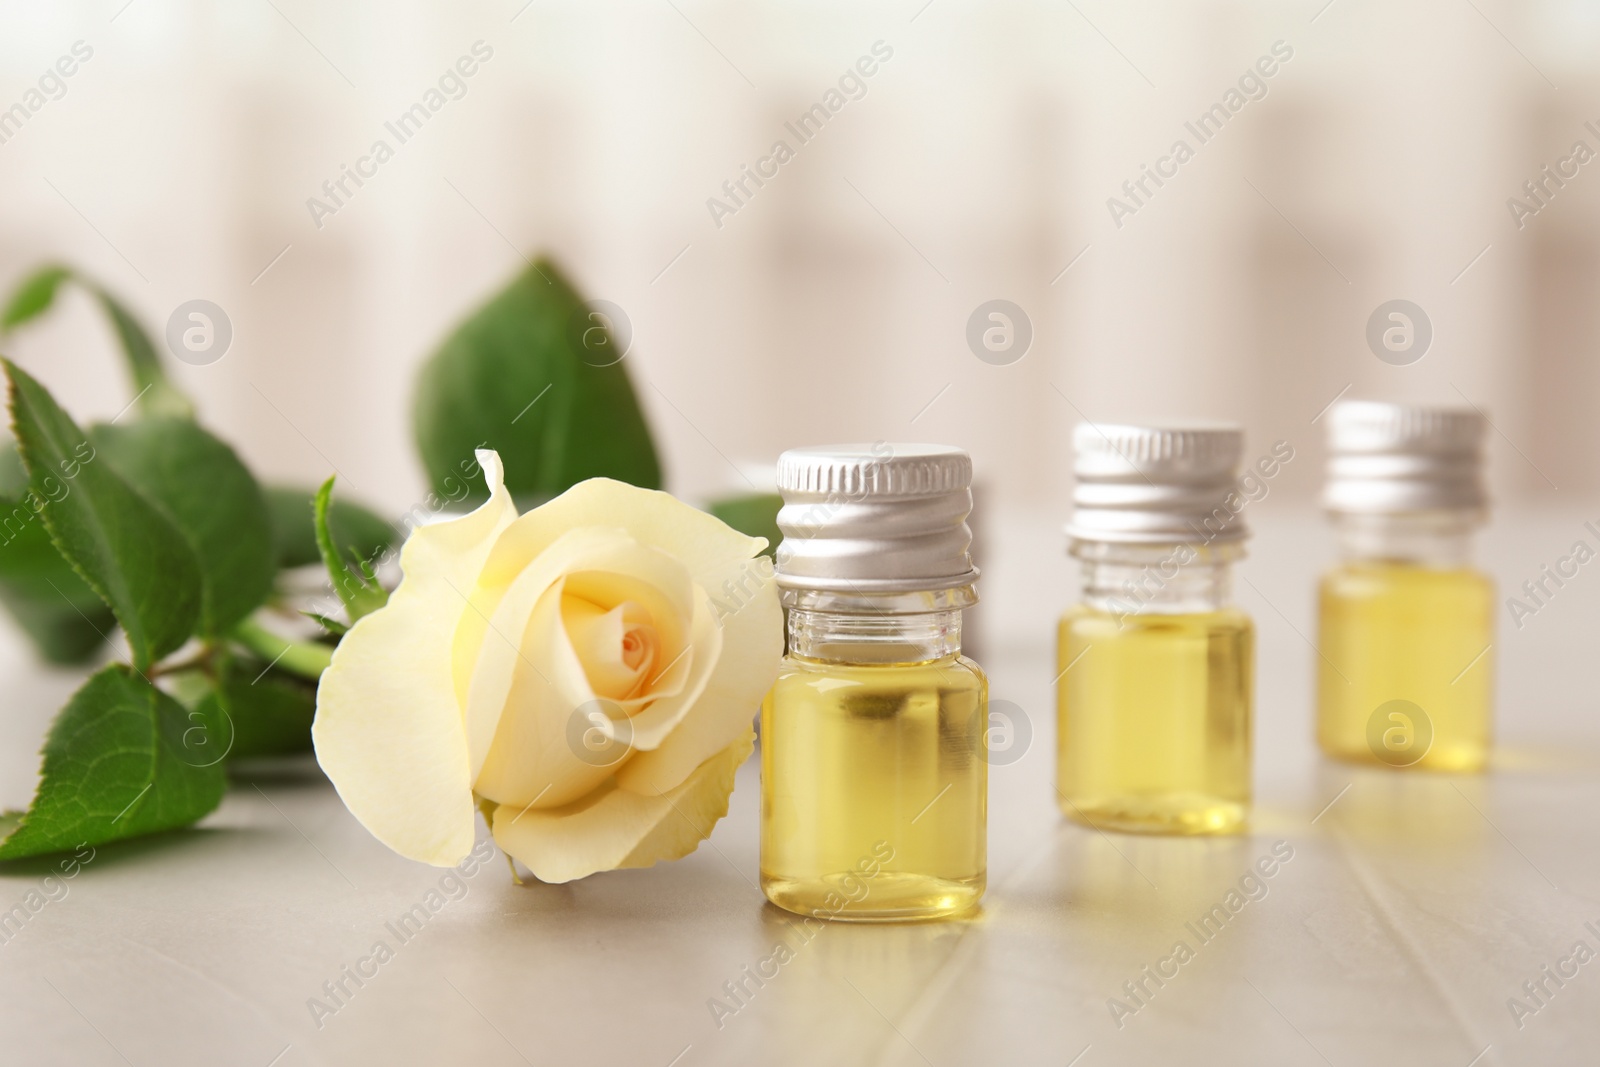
(879, 518)
(1156, 484)
(1389, 458)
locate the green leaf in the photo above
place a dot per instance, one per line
(120, 543)
(754, 515)
(200, 484)
(155, 392)
(34, 296)
(13, 473)
(364, 533)
(512, 377)
(358, 589)
(262, 711)
(157, 395)
(120, 761)
(65, 618)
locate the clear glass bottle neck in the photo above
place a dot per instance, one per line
(1166, 579)
(1441, 539)
(876, 628)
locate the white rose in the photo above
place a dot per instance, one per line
(568, 672)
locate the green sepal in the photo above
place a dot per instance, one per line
(294, 529)
(328, 623)
(356, 583)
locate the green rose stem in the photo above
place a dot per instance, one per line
(305, 658)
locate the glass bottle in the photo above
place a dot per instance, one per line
(873, 764)
(1405, 622)
(1155, 665)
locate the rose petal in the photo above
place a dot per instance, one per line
(752, 646)
(536, 754)
(616, 828)
(701, 542)
(718, 559)
(488, 645)
(618, 647)
(388, 729)
(668, 612)
(653, 724)
(507, 653)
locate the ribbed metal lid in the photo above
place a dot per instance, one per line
(1390, 458)
(876, 518)
(1156, 484)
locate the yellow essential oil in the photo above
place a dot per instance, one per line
(1155, 668)
(1154, 720)
(874, 788)
(1403, 632)
(1405, 672)
(874, 765)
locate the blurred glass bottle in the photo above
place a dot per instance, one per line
(1406, 623)
(874, 783)
(1155, 668)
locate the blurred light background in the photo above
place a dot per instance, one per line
(1375, 164)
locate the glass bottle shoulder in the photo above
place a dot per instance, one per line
(1090, 623)
(1377, 579)
(948, 673)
